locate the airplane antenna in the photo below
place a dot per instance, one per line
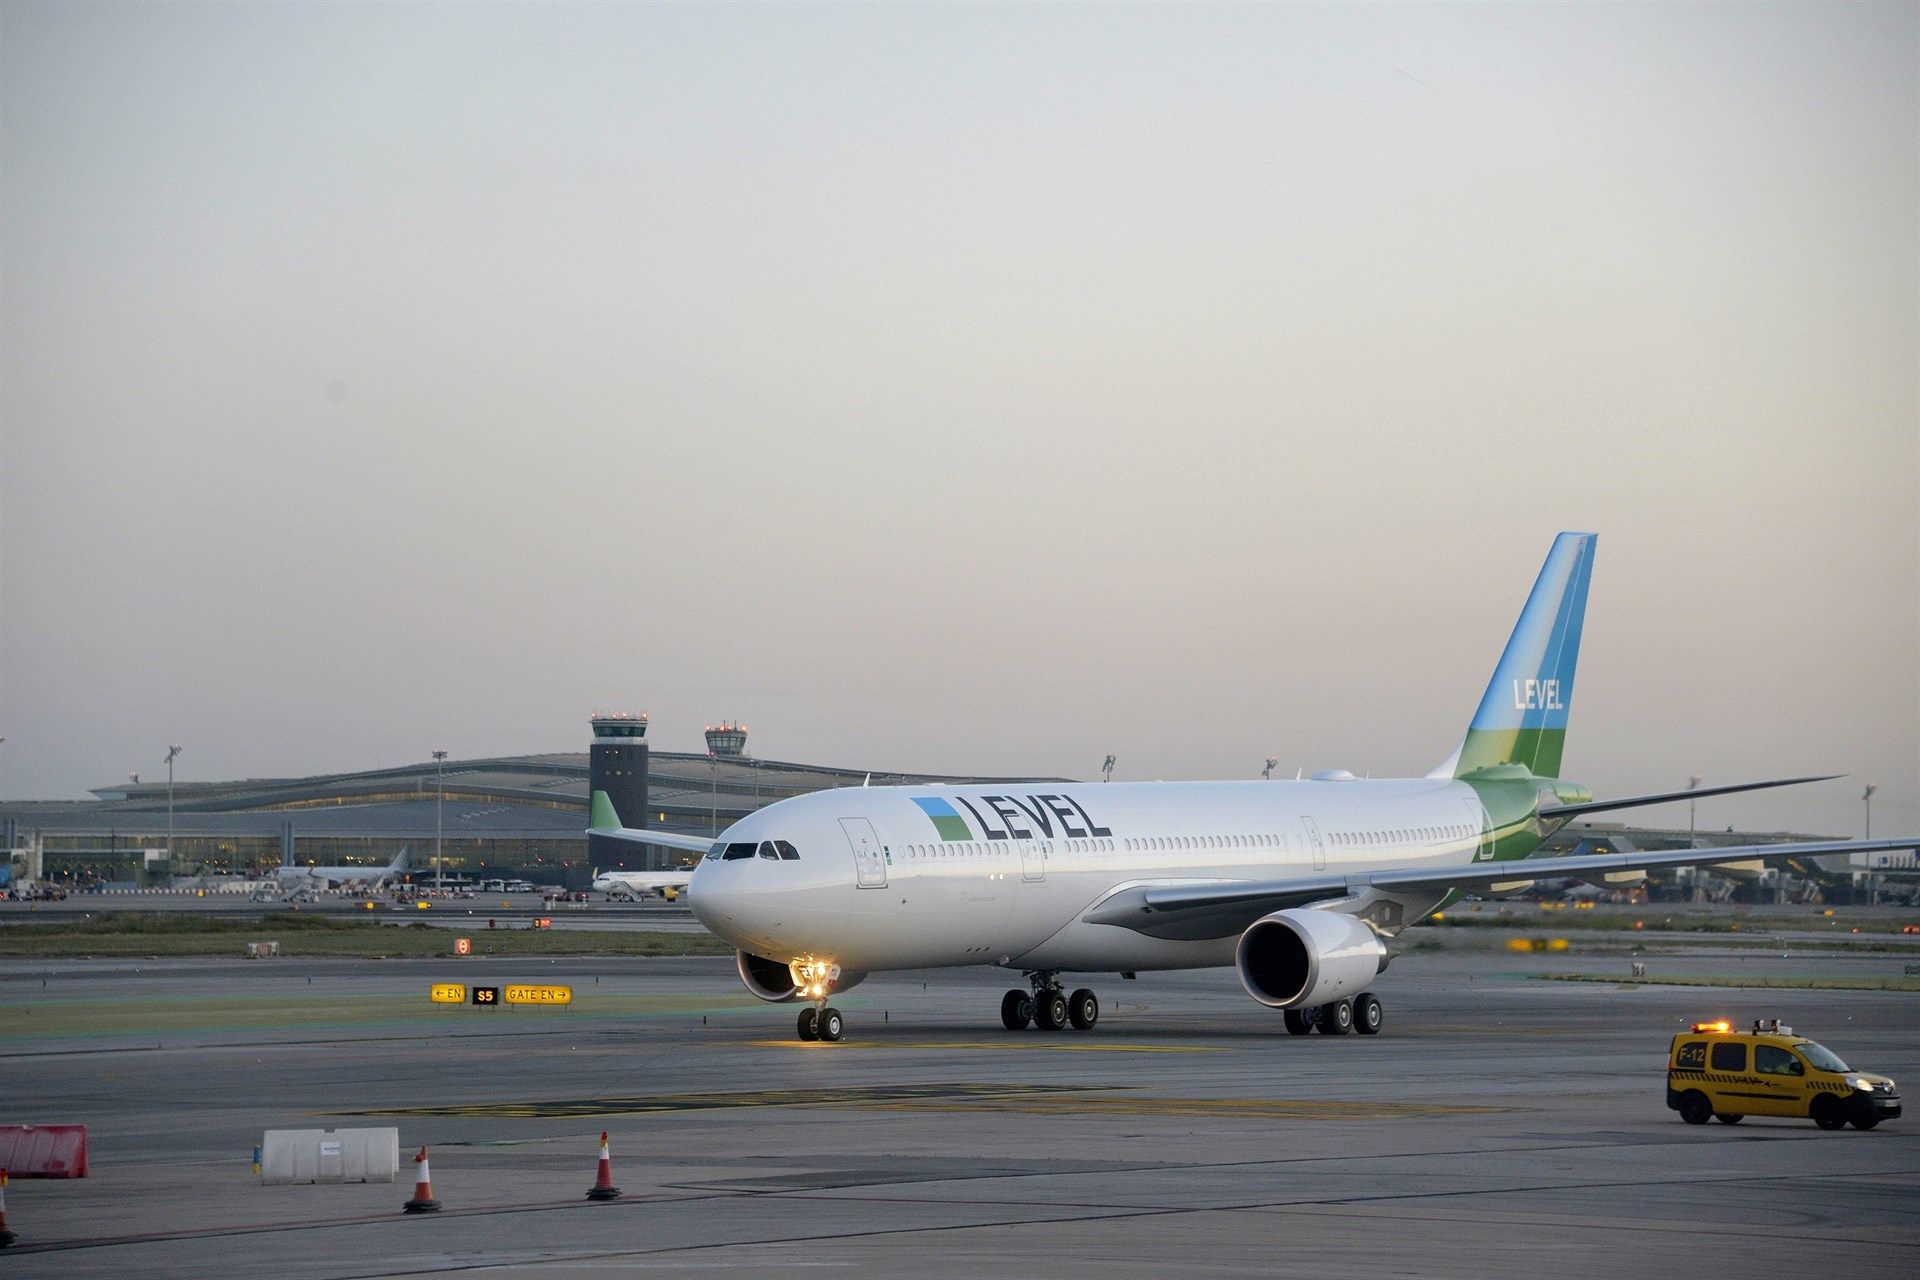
(1273, 762)
(1106, 770)
(868, 780)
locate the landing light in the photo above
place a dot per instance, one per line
(1722, 1025)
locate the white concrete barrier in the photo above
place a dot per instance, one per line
(323, 1155)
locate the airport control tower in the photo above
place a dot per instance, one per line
(726, 740)
(617, 765)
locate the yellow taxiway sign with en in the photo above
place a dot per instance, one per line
(518, 993)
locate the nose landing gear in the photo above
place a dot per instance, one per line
(1048, 1006)
(819, 1021)
(822, 1023)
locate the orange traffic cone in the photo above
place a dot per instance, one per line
(7, 1237)
(603, 1188)
(423, 1201)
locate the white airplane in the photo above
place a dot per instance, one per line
(635, 884)
(1301, 886)
(294, 878)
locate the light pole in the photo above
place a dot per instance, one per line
(172, 751)
(1866, 798)
(713, 779)
(1692, 782)
(439, 807)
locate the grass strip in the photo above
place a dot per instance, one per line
(156, 934)
(1786, 984)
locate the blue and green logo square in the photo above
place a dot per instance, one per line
(946, 821)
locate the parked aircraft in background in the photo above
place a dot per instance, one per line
(293, 878)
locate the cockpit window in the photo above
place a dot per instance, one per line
(716, 851)
(740, 849)
(787, 851)
(768, 852)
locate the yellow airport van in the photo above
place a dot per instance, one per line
(1715, 1072)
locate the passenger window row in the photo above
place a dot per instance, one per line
(1404, 835)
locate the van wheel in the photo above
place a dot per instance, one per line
(1827, 1112)
(1723, 1118)
(1694, 1107)
(1865, 1122)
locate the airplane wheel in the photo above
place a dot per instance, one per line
(1083, 1009)
(832, 1027)
(1368, 1016)
(1016, 1010)
(1050, 1011)
(809, 1023)
(1299, 1021)
(1336, 1019)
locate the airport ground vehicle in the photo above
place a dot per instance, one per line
(1716, 1072)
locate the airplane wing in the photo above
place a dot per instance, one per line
(665, 839)
(604, 821)
(1221, 908)
(1666, 797)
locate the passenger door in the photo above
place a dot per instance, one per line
(1033, 861)
(1783, 1078)
(869, 863)
(1319, 847)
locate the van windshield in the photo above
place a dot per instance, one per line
(1820, 1056)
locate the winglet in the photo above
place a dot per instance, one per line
(601, 815)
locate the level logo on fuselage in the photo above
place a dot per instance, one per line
(1046, 813)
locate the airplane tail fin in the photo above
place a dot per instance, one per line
(399, 862)
(1522, 718)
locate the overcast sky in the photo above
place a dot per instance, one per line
(960, 389)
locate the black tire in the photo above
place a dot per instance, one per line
(1368, 1015)
(1724, 1118)
(1016, 1010)
(1865, 1122)
(1050, 1011)
(1694, 1107)
(809, 1023)
(1083, 1009)
(1825, 1110)
(1336, 1019)
(1299, 1021)
(832, 1025)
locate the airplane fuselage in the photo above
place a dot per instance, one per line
(912, 877)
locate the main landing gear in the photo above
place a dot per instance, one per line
(1363, 1013)
(1048, 1006)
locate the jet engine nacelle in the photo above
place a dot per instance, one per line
(1300, 958)
(774, 980)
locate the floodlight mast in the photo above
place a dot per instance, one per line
(172, 751)
(439, 810)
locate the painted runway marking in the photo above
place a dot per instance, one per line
(1051, 1046)
(985, 1096)
(1032, 1099)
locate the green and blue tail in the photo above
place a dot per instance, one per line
(1522, 719)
